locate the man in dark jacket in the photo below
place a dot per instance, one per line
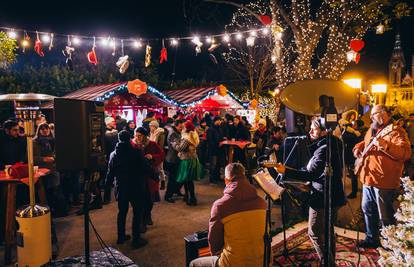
(315, 172)
(12, 146)
(172, 161)
(213, 140)
(128, 167)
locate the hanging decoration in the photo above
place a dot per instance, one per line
(148, 55)
(163, 55)
(67, 52)
(113, 44)
(253, 104)
(213, 47)
(25, 42)
(213, 58)
(137, 87)
(123, 62)
(92, 58)
(51, 41)
(38, 46)
(198, 43)
(266, 20)
(357, 45)
(380, 29)
(222, 90)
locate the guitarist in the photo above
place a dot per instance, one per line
(380, 171)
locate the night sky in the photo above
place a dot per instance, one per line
(166, 18)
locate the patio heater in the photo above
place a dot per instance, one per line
(34, 246)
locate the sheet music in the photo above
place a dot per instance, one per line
(268, 184)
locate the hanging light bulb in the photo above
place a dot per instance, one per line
(350, 55)
(273, 59)
(239, 36)
(112, 43)
(196, 40)
(76, 41)
(226, 38)
(265, 31)
(12, 34)
(46, 38)
(250, 40)
(25, 43)
(279, 35)
(380, 29)
(137, 44)
(105, 41)
(174, 42)
(209, 39)
(253, 33)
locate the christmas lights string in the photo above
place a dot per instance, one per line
(111, 41)
(124, 88)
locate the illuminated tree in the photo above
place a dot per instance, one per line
(8, 48)
(310, 39)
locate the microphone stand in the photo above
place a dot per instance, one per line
(328, 256)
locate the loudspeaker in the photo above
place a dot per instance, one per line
(79, 134)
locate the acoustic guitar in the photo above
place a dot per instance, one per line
(359, 162)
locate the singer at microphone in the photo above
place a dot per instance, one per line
(315, 173)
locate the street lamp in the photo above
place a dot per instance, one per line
(354, 82)
(380, 90)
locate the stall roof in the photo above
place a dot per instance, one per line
(100, 92)
(190, 95)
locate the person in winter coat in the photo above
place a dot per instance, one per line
(131, 127)
(237, 224)
(157, 135)
(213, 140)
(189, 169)
(44, 157)
(155, 155)
(315, 173)
(172, 160)
(260, 138)
(127, 168)
(380, 173)
(12, 146)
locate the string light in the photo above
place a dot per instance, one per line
(265, 31)
(196, 40)
(12, 34)
(105, 41)
(253, 33)
(46, 38)
(137, 44)
(174, 42)
(239, 36)
(209, 40)
(226, 38)
(25, 43)
(250, 40)
(76, 40)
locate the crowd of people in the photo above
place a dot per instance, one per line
(171, 153)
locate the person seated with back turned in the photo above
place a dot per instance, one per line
(237, 224)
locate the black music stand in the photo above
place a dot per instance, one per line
(273, 192)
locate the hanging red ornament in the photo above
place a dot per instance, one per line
(163, 56)
(266, 20)
(38, 46)
(357, 44)
(92, 58)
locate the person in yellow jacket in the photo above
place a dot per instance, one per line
(237, 224)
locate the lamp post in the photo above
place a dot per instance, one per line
(379, 90)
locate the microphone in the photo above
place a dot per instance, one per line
(297, 137)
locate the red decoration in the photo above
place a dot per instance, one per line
(357, 45)
(253, 104)
(357, 58)
(163, 56)
(266, 20)
(92, 58)
(222, 90)
(38, 48)
(137, 87)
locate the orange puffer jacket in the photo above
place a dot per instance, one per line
(384, 168)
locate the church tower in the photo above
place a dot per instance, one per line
(396, 65)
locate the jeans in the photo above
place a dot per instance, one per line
(211, 261)
(316, 231)
(377, 206)
(214, 170)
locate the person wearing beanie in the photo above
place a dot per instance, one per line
(154, 154)
(126, 169)
(189, 169)
(157, 135)
(260, 137)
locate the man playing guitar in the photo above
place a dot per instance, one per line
(379, 165)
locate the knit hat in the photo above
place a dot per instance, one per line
(189, 126)
(124, 136)
(109, 120)
(217, 118)
(154, 123)
(262, 121)
(142, 131)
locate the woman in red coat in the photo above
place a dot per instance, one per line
(154, 153)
